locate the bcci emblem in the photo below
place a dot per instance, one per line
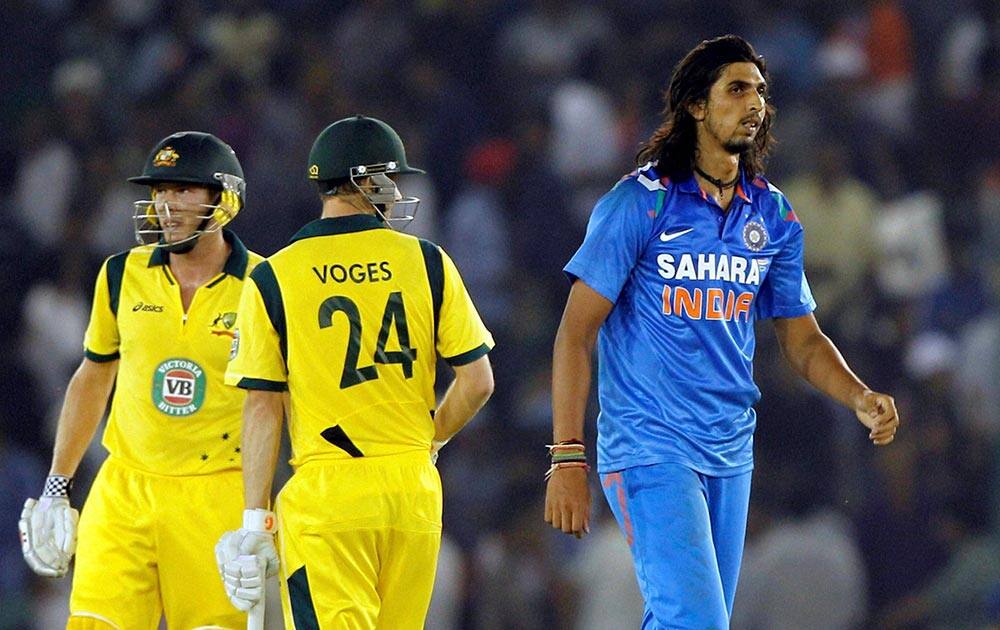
(754, 236)
(178, 387)
(166, 157)
(314, 171)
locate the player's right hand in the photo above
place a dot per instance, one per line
(48, 535)
(567, 501)
(877, 411)
(247, 557)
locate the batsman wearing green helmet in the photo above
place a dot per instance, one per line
(162, 328)
(349, 319)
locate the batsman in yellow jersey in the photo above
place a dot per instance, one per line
(162, 327)
(349, 318)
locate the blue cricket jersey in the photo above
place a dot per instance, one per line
(675, 371)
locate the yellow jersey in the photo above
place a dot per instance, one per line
(349, 318)
(170, 413)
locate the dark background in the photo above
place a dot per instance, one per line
(523, 113)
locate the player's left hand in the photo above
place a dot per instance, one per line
(878, 412)
(247, 557)
(48, 535)
(567, 501)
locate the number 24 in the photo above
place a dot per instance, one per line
(394, 315)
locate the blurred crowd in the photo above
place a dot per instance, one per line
(524, 112)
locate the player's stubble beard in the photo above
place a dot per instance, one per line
(735, 144)
(738, 143)
(176, 243)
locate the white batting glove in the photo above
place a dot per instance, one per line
(48, 529)
(247, 557)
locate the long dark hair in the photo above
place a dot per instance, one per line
(674, 143)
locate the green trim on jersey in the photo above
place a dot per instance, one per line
(236, 263)
(170, 406)
(435, 276)
(263, 384)
(116, 271)
(101, 358)
(355, 305)
(468, 357)
(303, 610)
(339, 225)
(270, 293)
(159, 256)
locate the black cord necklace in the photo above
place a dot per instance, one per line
(718, 183)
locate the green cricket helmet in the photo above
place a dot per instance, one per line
(189, 157)
(359, 148)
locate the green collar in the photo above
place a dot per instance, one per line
(236, 264)
(339, 225)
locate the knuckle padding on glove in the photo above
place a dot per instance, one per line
(47, 531)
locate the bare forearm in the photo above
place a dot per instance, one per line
(571, 375)
(83, 407)
(262, 420)
(820, 363)
(567, 495)
(814, 357)
(472, 387)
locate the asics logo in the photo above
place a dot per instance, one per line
(147, 308)
(669, 237)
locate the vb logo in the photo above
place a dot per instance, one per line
(178, 387)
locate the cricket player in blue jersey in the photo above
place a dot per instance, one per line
(680, 259)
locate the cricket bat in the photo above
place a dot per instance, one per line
(255, 618)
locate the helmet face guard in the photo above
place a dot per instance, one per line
(149, 216)
(382, 193)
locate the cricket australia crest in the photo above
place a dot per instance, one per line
(166, 157)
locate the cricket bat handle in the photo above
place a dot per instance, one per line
(255, 618)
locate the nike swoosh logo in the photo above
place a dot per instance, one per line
(669, 237)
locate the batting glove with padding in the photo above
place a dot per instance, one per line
(247, 557)
(48, 529)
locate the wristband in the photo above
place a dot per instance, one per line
(259, 520)
(57, 486)
(554, 467)
(567, 451)
(567, 454)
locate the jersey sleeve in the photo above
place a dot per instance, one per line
(462, 336)
(100, 343)
(616, 235)
(785, 291)
(258, 357)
